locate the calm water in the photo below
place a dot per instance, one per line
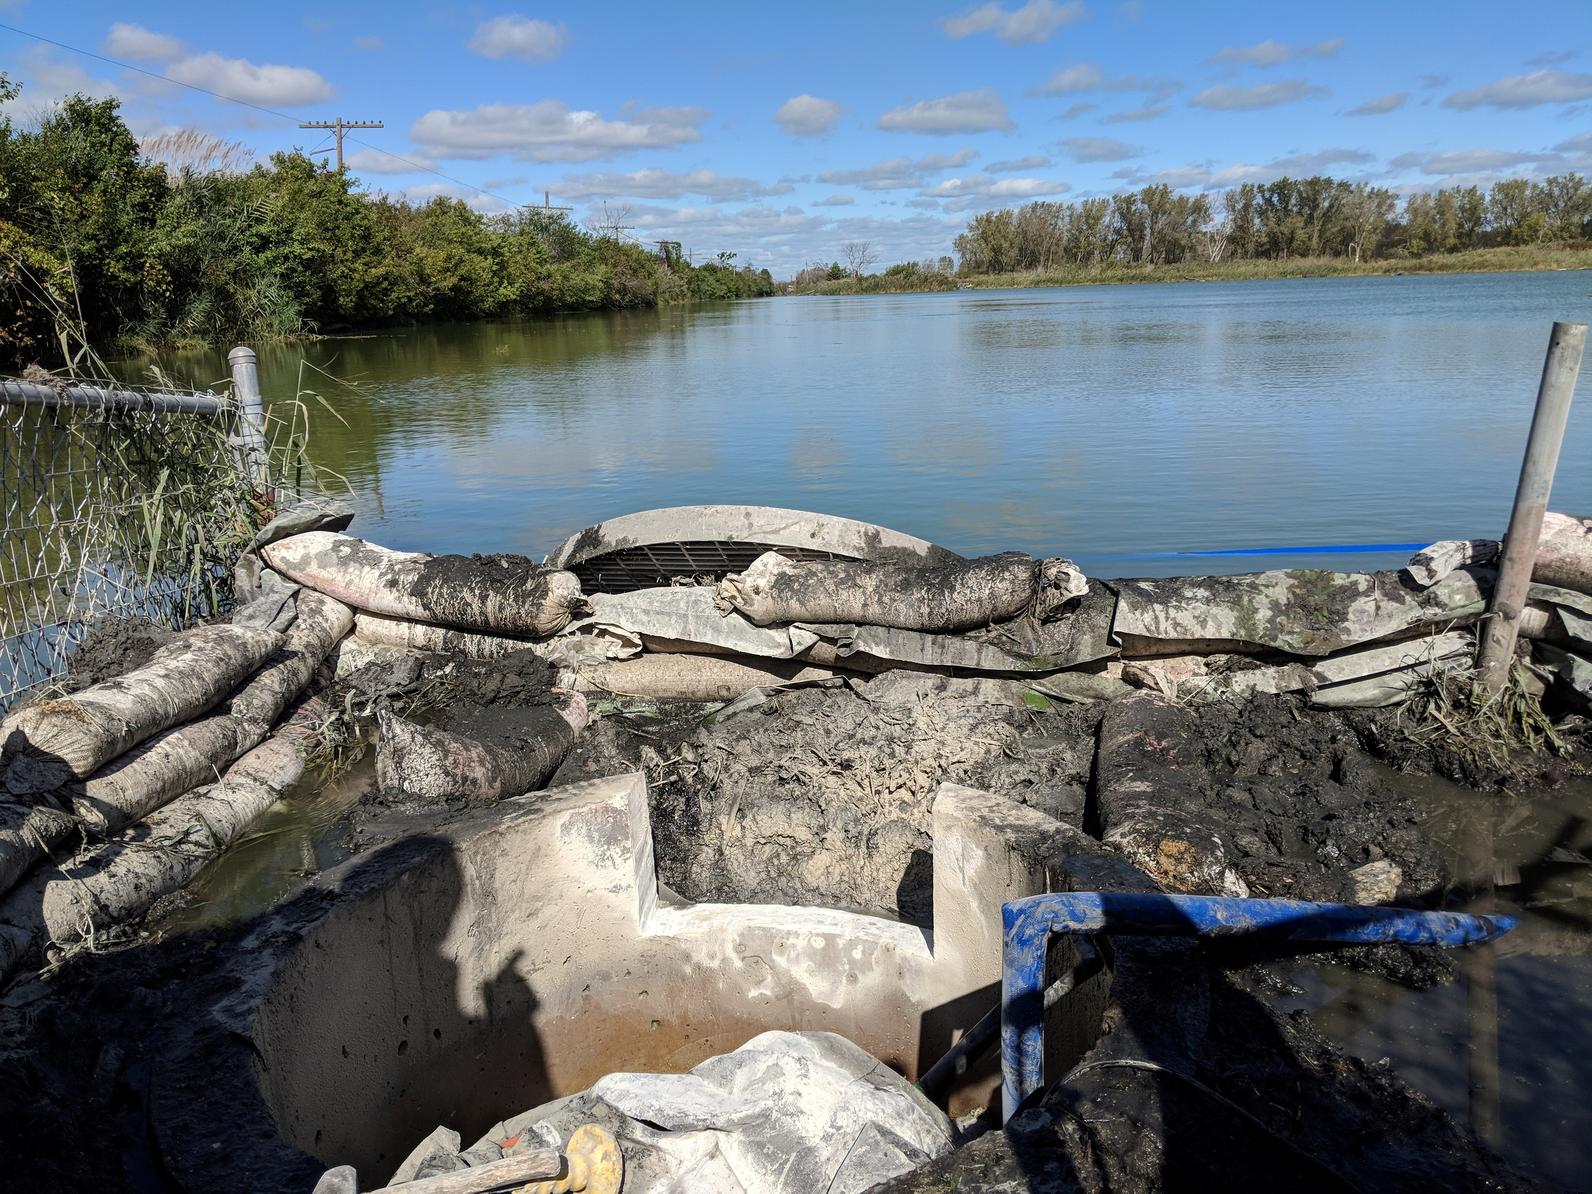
(1103, 423)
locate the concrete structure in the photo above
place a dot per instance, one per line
(461, 977)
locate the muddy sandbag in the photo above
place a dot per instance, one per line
(1365, 678)
(687, 619)
(1557, 615)
(942, 598)
(504, 594)
(786, 1113)
(573, 645)
(160, 854)
(1079, 635)
(1138, 770)
(27, 833)
(1572, 671)
(1429, 565)
(691, 677)
(169, 764)
(516, 751)
(52, 742)
(1564, 553)
(1297, 611)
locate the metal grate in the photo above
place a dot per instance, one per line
(655, 565)
(116, 502)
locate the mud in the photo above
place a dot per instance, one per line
(112, 647)
(457, 588)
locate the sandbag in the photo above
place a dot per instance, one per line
(503, 594)
(946, 597)
(1365, 678)
(1296, 611)
(690, 677)
(52, 742)
(527, 746)
(1429, 565)
(687, 619)
(572, 645)
(1564, 553)
(160, 854)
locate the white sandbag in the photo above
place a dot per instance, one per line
(689, 677)
(687, 619)
(502, 594)
(1564, 553)
(1429, 565)
(52, 742)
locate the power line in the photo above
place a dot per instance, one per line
(116, 62)
(339, 126)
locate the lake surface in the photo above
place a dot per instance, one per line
(1112, 424)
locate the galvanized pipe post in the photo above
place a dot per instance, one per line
(1502, 626)
(251, 408)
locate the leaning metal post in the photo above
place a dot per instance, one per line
(1028, 923)
(1531, 502)
(251, 407)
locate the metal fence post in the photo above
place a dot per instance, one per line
(1559, 372)
(251, 407)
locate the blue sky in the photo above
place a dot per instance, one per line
(779, 132)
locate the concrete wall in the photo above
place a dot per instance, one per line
(534, 956)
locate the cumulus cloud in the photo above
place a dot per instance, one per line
(373, 161)
(836, 200)
(123, 40)
(1262, 95)
(661, 184)
(1525, 91)
(965, 112)
(1580, 143)
(1466, 161)
(1273, 53)
(1084, 77)
(1100, 149)
(983, 186)
(1135, 115)
(1033, 22)
(267, 85)
(550, 131)
(806, 115)
(524, 38)
(1551, 58)
(1381, 105)
(1034, 161)
(895, 174)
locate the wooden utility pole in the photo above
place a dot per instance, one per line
(547, 204)
(339, 126)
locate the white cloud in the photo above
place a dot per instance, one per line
(1100, 149)
(1206, 177)
(1466, 161)
(427, 191)
(1262, 95)
(241, 79)
(1034, 161)
(516, 36)
(550, 131)
(1033, 22)
(123, 40)
(895, 174)
(1525, 91)
(1272, 53)
(806, 115)
(983, 186)
(1580, 143)
(369, 41)
(1551, 58)
(1135, 115)
(1074, 110)
(1381, 105)
(965, 112)
(1083, 77)
(372, 161)
(838, 200)
(661, 184)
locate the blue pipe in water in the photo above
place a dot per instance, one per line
(1028, 923)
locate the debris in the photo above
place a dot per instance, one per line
(1375, 882)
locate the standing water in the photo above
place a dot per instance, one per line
(1110, 424)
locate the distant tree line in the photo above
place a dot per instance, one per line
(122, 246)
(1288, 218)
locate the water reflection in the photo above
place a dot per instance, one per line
(1098, 422)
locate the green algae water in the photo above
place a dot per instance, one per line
(1117, 425)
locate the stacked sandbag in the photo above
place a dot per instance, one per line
(509, 753)
(496, 594)
(162, 853)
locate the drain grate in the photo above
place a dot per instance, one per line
(655, 565)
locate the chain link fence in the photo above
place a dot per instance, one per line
(118, 503)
